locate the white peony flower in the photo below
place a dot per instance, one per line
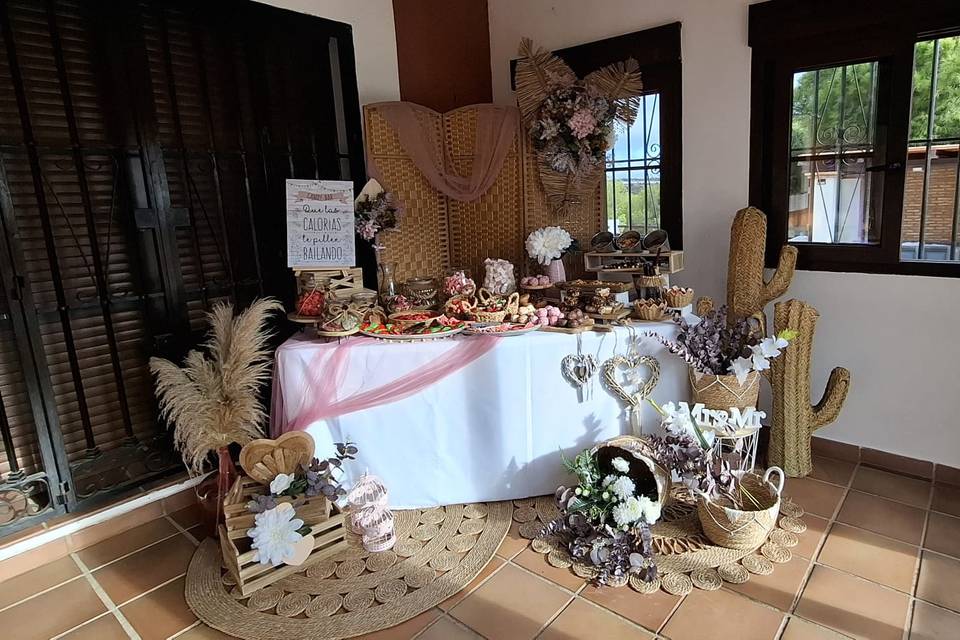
(281, 483)
(275, 534)
(628, 512)
(650, 508)
(623, 487)
(548, 243)
(620, 464)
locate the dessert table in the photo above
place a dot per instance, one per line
(463, 419)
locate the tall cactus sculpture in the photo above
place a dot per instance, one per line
(747, 292)
(794, 420)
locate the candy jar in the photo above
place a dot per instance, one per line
(422, 292)
(499, 278)
(457, 282)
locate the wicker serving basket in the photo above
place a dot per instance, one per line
(639, 449)
(741, 529)
(725, 392)
(678, 297)
(512, 307)
(649, 309)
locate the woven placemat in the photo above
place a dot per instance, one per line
(438, 552)
(685, 557)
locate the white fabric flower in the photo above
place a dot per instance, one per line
(759, 361)
(770, 347)
(620, 464)
(281, 483)
(547, 243)
(627, 512)
(651, 509)
(741, 367)
(275, 534)
(678, 420)
(623, 487)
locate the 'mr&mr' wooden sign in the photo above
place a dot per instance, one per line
(320, 223)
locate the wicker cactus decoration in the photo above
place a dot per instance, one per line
(794, 420)
(747, 292)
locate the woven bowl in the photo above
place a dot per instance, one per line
(678, 297)
(649, 309)
(734, 528)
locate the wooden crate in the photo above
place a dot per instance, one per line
(329, 532)
(342, 283)
(596, 261)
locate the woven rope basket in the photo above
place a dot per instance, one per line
(739, 529)
(512, 306)
(724, 392)
(640, 450)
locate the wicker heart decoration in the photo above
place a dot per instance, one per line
(630, 363)
(263, 459)
(579, 368)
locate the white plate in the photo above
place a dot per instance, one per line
(412, 337)
(512, 332)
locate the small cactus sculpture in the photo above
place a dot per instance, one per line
(794, 420)
(747, 292)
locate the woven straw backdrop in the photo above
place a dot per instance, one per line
(437, 232)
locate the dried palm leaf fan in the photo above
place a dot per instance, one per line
(541, 75)
(212, 400)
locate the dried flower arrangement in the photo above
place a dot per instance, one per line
(550, 243)
(276, 531)
(605, 520)
(213, 400)
(376, 214)
(714, 347)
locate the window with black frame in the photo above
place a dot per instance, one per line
(633, 172)
(856, 132)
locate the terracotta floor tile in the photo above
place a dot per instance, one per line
(189, 516)
(584, 620)
(26, 584)
(447, 629)
(494, 564)
(933, 623)
(180, 500)
(127, 542)
(946, 498)
(512, 605)
(649, 611)
(832, 470)
(891, 485)
(404, 630)
(721, 614)
(870, 556)
(943, 534)
(100, 532)
(33, 559)
(798, 629)
(834, 449)
(106, 627)
(145, 569)
(203, 632)
(513, 544)
(939, 577)
(780, 588)
(883, 516)
(537, 562)
(814, 496)
(809, 539)
(47, 615)
(897, 463)
(853, 606)
(160, 613)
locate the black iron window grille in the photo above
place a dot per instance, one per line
(632, 172)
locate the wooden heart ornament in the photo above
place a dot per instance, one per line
(263, 459)
(631, 363)
(579, 368)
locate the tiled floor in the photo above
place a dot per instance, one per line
(880, 559)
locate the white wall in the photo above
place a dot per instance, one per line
(895, 333)
(374, 41)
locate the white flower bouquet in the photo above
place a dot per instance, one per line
(549, 243)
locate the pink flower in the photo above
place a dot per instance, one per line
(368, 230)
(582, 123)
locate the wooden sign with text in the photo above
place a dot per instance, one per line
(320, 223)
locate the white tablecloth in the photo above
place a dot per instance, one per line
(491, 431)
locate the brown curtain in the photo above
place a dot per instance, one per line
(496, 127)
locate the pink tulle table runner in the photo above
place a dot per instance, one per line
(317, 377)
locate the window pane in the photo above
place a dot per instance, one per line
(633, 172)
(831, 146)
(930, 206)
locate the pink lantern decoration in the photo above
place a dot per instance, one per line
(369, 516)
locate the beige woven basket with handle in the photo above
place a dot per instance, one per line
(743, 529)
(484, 296)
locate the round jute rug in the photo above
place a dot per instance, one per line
(685, 557)
(438, 552)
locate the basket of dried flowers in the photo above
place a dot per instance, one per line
(738, 511)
